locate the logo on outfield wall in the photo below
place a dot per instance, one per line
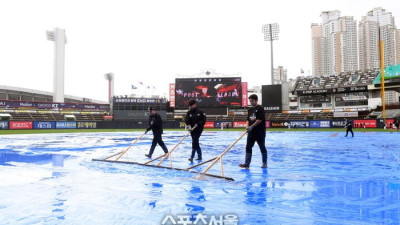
(278, 124)
(303, 124)
(3, 125)
(239, 124)
(87, 125)
(44, 125)
(320, 124)
(275, 108)
(19, 125)
(66, 125)
(339, 123)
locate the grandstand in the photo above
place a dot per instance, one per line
(26, 94)
(322, 96)
(21, 104)
(343, 80)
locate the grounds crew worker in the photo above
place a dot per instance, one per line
(195, 119)
(256, 132)
(349, 126)
(155, 124)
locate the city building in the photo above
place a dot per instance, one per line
(378, 22)
(391, 97)
(280, 75)
(334, 44)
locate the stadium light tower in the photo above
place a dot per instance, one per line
(59, 39)
(271, 32)
(110, 78)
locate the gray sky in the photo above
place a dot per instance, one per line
(154, 40)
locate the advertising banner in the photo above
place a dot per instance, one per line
(52, 105)
(314, 92)
(3, 125)
(136, 115)
(86, 125)
(244, 94)
(320, 124)
(65, 125)
(345, 114)
(368, 123)
(209, 92)
(380, 123)
(278, 124)
(272, 98)
(138, 100)
(172, 95)
(315, 98)
(242, 112)
(44, 125)
(239, 124)
(209, 124)
(20, 125)
(338, 123)
(225, 124)
(300, 124)
(333, 90)
(351, 89)
(390, 123)
(354, 98)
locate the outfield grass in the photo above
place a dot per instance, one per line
(3, 132)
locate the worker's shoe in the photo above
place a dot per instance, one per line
(190, 159)
(148, 155)
(264, 165)
(199, 159)
(244, 166)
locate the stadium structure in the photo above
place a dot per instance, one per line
(22, 104)
(224, 98)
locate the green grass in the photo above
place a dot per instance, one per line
(3, 132)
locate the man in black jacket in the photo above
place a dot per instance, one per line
(195, 119)
(256, 132)
(349, 126)
(155, 124)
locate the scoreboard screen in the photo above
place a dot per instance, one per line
(209, 92)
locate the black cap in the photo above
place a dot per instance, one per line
(254, 97)
(192, 102)
(151, 109)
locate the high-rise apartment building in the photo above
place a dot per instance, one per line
(378, 24)
(334, 44)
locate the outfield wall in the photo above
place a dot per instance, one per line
(336, 123)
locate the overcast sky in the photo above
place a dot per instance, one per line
(154, 40)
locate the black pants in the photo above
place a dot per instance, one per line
(351, 131)
(157, 139)
(196, 133)
(251, 139)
